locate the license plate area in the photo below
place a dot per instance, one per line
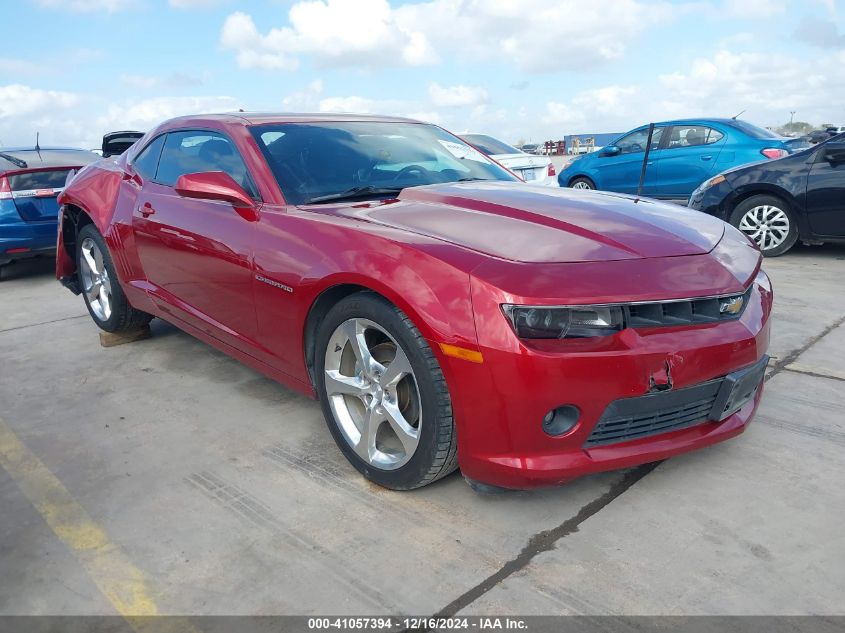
(528, 174)
(737, 389)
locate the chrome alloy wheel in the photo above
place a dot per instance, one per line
(767, 225)
(95, 279)
(373, 393)
(581, 184)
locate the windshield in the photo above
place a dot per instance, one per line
(317, 162)
(490, 145)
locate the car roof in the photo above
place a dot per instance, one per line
(723, 121)
(46, 157)
(263, 118)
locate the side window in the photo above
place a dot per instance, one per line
(692, 136)
(195, 152)
(635, 141)
(146, 162)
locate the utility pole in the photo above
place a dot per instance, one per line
(791, 116)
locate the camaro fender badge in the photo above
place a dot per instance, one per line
(273, 283)
(660, 380)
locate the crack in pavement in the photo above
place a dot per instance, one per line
(547, 539)
(29, 325)
(813, 374)
(792, 356)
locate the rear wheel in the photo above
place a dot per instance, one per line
(768, 221)
(582, 183)
(104, 297)
(383, 394)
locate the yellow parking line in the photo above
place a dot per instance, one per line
(114, 574)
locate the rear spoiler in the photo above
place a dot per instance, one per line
(115, 143)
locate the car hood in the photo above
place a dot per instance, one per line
(518, 222)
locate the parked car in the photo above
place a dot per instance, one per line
(819, 136)
(683, 155)
(531, 148)
(30, 180)
(778, 202)
(441, 311)
(535, 170)
(115, 143)
(833, 130)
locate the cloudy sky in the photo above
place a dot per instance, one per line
(527, 69)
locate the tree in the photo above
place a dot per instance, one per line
(799, 128)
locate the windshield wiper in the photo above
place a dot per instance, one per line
(355, 193)
(15, 161)
(472, 179)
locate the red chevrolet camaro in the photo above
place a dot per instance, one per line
(443, 312)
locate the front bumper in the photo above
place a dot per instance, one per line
(717, 200)
(500, 404)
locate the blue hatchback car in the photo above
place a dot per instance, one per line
(683, 154)
(30, 180)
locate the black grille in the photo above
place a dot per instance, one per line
(664, 411)
(667, 313)
(654, 413)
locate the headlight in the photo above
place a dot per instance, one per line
(555, 323)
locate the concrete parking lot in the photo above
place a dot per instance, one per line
(163, 477)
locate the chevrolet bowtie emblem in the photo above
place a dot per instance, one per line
(732, 305)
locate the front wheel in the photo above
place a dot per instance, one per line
(768, 222)
(104, 297)
(383, 394)
(582, 183)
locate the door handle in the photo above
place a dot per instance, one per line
(651, 162)
(146, 210)
(707, 157)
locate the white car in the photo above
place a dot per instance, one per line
(535, 170)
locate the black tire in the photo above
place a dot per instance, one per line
(765, 200)
(123, 316)
(435, 455)
(583, 182)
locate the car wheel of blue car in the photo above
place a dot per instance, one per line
(582, 183)
(768, 222)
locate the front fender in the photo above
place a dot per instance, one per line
(311, 255)
(92, 192)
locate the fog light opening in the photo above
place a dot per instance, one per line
(561, 420)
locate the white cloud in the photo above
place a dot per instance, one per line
(149, 82)
(353, 103)
(821, 33)
(18, 100)
(446, 96)
(753, 8)
(14, 66)
(192, 4)
(766, 86)
(65, 118)
(304, 100)
(535, 35)
(334, 32)
(144, 114)
(391, 107)
(88, 6)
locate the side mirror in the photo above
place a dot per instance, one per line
(217, 185)
(834, 153)
(610, 150)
